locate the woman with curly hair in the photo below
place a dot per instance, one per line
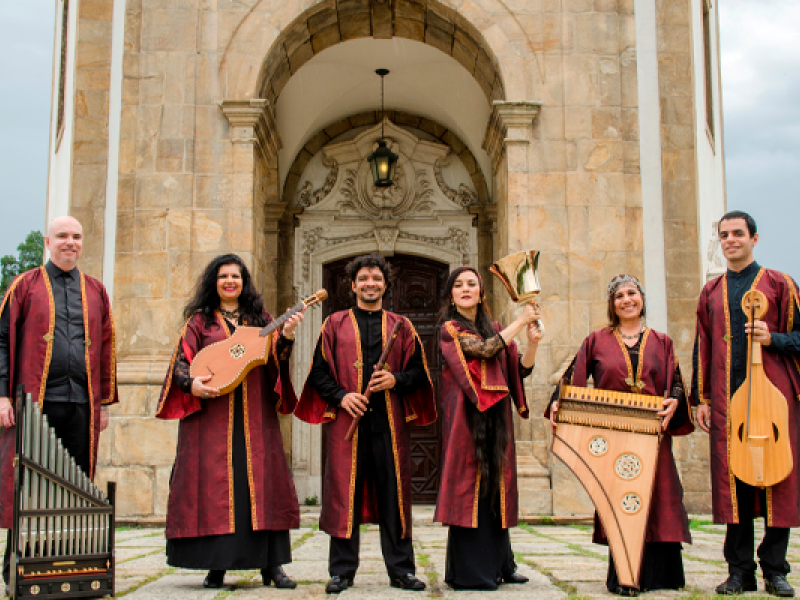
(232, 501)
(482, 375)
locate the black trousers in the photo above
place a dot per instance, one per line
(739, 538)
(70, 421)
(375, 466)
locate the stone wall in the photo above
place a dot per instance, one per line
(199, 177)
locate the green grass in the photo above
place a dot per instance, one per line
(301, 540)
(146, 580)
(580, 527)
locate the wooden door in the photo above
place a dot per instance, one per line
(415, 293)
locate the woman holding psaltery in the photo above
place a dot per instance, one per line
(232, 501)
(482, 377)
(628, 356)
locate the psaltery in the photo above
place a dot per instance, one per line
(761, 453)
(610, 441)
(381, 365)
(230, 360)
(63, 541)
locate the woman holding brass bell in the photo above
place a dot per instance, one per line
(232, 501)
(482, 375)
(628, 356)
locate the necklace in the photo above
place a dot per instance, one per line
(629, 337)
(231, 315)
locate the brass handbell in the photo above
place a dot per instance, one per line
(519, 273)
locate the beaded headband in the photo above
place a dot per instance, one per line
(622, 279)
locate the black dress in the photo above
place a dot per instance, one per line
(244, 549)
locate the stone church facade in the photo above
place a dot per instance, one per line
(589, 130)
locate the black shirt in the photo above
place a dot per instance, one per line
(66, 377)
(739, 283)
(370, 325)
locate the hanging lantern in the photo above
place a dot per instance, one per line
(382, 161)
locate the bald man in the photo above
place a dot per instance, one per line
(56, 339)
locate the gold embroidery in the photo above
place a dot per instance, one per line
(354, 461)
(92, 449)
(453, 333)
(48, 337)
(231, 401)
(163, 397)
(112, 365)
(475, 501)
(484, 386)
(790, 325)
(248, 446)
(731, 476)
(633, 381)
(390, 416)
(51, 328)
(358, 364)
(8, 295)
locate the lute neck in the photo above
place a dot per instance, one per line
(277, 322)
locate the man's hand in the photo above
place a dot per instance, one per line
(704, 417)
(6, 413)
(760, 332)
(355, 404)
(382, 380)
(104, 418)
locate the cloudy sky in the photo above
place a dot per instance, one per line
(761, 99)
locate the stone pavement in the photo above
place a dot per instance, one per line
(560, 560)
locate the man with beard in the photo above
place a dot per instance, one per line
(368, 479)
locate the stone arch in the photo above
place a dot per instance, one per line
(272, 44)
(324, 135)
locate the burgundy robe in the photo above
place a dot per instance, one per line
(341, 348)
(30, 300)
(604, 357)
(201, 490)
(714, 383)
(483, 383)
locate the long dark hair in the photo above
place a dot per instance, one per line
(205, 299)
(489, 429)
(448, 311)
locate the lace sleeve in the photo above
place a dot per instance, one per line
(475, 347)
(180, 371)
(677, 390)
(525, 371)
(284, 348)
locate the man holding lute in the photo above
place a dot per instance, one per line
(748, 403)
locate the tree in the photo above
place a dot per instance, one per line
(31, 254)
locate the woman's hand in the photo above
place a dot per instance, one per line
(294, 321)
(535, 331)
(670, 406)
(530, 313)
(200, 390)
(553, 412)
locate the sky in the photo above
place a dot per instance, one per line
(761, 109)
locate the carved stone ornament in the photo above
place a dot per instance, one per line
(716, 266)
(456, 239)
(308, 196)
(464, 196)
(314, 240)
(386, 238)
(410, 193)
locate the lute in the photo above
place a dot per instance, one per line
(230, 360)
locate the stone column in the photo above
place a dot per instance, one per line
(256, 143)
(507, 141)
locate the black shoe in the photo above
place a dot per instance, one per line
(778, 586)
(624, 590)
(277, 575)
(407, 582)
(736, 583)
(338, 584)
(214, 579)
(515, 578)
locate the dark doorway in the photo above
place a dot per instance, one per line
(415, 292)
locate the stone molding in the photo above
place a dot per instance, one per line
(252, 122)
(510, 123)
